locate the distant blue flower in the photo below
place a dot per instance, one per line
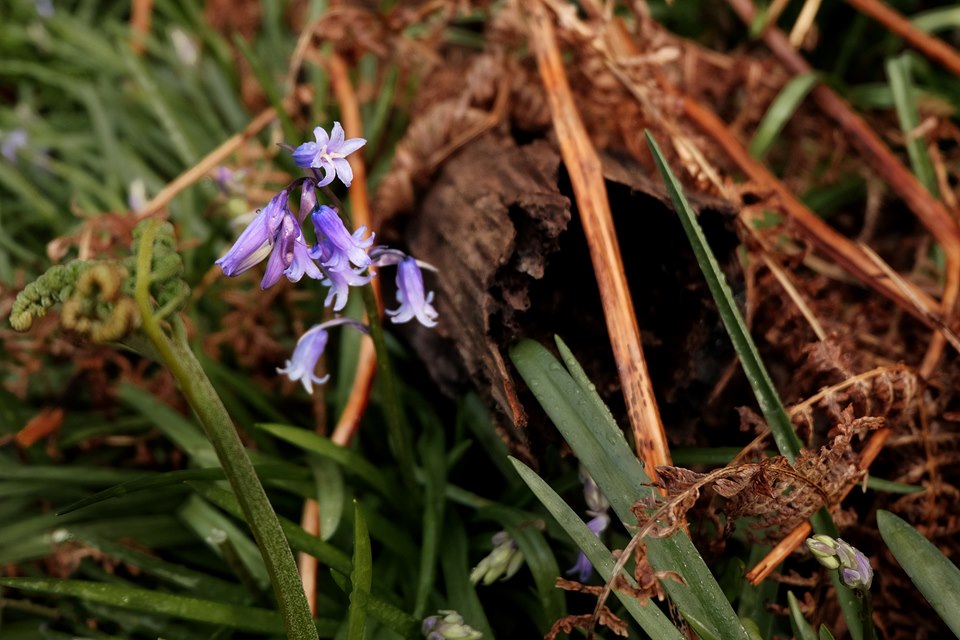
(410, 294)
(328, 154)
(44, 8)
(302, 365)
(256, 241)
(583, 568)
(342, 248)
(12, 142)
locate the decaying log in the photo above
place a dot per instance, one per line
(512, 262)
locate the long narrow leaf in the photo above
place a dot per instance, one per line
(589, 428)
(780, 112)
(361, 578)
(934, 575)
(150, 601)
(905, 100)
(767, 397)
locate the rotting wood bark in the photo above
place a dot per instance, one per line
(512, 262)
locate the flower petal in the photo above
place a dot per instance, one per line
(336, 138)
(323, 140)
(304, 154)
(351, 145)
(344, 171)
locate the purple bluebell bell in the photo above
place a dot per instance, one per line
(583, 568)
(597, 506)
(302, 365)
(340, 280)
(328, 154)
(414, 303)
(256, 241)
(342, 248)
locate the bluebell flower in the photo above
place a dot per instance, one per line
(256, 241)
(290, 256)
(328, 154)
(342, 248)
(340, 278)
(303, 364)
(583, 568)
(448, 625)
(414, 303)
(12, 142)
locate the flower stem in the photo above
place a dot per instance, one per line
(398, 431)
(178, 357)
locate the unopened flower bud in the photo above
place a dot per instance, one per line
(448, 625)
(503, 562)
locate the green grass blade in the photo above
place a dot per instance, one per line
(889, 486)
(361, 578)
(650, 618)
(149, 601)
(825, 633)
(588, 427)
(801, 628)
(433, 459)
(346, 458)
(905, 100)
(330, 494)
(772, 408)
(776, 416)
(941, 19)
(299, 539)
(461, 594)
(934, 575)
(781, 110)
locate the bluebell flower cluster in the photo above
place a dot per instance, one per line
(598, 507)
(338, 258)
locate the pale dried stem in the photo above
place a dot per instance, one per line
(804, 22)
(798, 300)
(207, 164)
(583, 165)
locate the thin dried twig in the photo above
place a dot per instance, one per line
(935, 49)
(791, 290)
(207, 164)
(141, 12)
(804, 22)
(583, 165)
(930, 211)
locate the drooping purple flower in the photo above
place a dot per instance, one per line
(340, 279)
(302, 365)
(307, 353)
(583, 568)
(256, 241)
(342, 247)
(410, 294)
(328, 154)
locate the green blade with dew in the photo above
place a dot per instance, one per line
(786, 439)
(932, 573)
(650, 618)
(573, 405)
